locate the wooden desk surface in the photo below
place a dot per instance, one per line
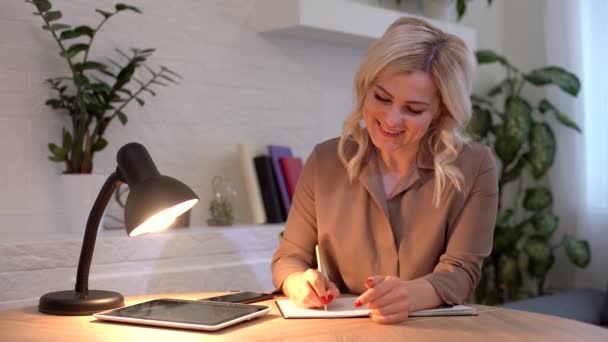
(492, 324)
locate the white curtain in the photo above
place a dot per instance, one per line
(576, 33)
(593, 214)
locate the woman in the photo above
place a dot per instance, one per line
(403, 207)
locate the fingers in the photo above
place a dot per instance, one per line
(397, 315)
(332, 291)
(387, 298)
(377, 286)
(318, 283)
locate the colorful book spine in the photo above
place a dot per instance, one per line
(270, 193)
(252, 185)
(276, 152)
(292, 168)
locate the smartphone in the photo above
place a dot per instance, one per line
(240, 297)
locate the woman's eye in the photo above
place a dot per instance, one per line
(381, 99)
(415, 111)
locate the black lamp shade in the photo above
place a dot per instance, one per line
(154, 204)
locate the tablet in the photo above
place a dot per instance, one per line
(184, 314)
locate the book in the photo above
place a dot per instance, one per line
(252, 185)
(344, 307)
(275, 152)
(292, 168)
(270, 193)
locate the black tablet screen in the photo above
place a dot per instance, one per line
(193, 312)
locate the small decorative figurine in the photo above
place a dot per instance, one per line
(221, 206)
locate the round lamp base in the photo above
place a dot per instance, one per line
(72, 303)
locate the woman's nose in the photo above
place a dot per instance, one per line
(394, 117)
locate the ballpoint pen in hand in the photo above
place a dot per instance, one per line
(321, 269)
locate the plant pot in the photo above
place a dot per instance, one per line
(444, 10)
(79, 192)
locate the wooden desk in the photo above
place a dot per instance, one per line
(492, 324)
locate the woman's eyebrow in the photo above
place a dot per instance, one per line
(383, 90)
(408, 102)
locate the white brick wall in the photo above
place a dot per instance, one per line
(239, 87)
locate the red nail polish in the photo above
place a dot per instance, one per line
(357, 303)
(330, 298)
(369, 282)
(324, 300)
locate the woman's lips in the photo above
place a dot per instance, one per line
(387, 133)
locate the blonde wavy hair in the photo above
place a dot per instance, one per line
(409, 45)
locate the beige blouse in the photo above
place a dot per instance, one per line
(362, 233)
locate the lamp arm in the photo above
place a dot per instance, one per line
(90, 234)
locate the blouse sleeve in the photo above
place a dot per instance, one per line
(297, 242)
(469, 238)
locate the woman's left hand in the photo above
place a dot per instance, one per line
(388, 299)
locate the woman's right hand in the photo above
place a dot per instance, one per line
(310, 289)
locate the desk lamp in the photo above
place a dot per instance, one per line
(153, 204)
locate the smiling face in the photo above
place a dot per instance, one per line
(398, 110)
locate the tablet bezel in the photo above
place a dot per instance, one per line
(108, 315)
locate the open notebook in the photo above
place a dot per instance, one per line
(344, 307)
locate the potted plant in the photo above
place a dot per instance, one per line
(93, 94)
(525, 145)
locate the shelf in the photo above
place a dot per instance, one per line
(337, 21)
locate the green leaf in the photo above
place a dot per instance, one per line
(566, 121)
(140, 101)
(536, 247)
(480, 124)
(564, 79)
(497, 89)
(78, 32)
(506, 238)
(489, 56)
(123, 7)
(99, 144)
(538, 268)
(545, 106)
(103, 124)
(537, 198)
(514, 172)
(101, 87)
(508, 269)
(74, 50)
(122, 117)
(58, 153)
(124, 76)
(503, 216)
(542, 149)
(90, 65)
(56, 27)
(42, 5)
(53, 103)
(81, 80)
(505, 146)
(518, 118)
(52, 15)
(461, 7)
(577, 250)
(104, 13)
(545, 224)
(67, 140)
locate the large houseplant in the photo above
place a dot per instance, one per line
(523, 141)
(96, 91)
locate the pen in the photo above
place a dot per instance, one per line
(321, 268)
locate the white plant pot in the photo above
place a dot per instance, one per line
(79, 192)
(444, 10)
